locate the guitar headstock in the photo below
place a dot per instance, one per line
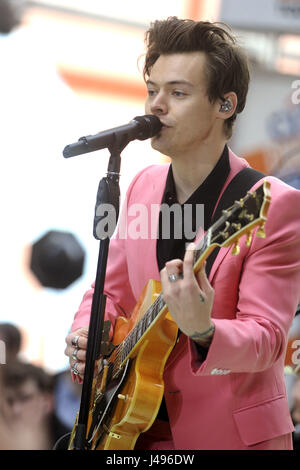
(238, 220)
(242, 218)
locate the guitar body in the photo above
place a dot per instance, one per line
(138, 394)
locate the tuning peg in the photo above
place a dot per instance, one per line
(261, 231)
(236, 226)
(249, 239)
(249, 217)
(236, 249)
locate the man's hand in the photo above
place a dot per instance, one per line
(77, 354)
(190, 297)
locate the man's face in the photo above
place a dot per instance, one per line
(25, 403)
(177, 95)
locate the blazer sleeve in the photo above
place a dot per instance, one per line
(269, 291)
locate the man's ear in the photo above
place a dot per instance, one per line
(228, 105)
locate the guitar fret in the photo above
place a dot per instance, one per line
(160, 302)
(148, 319)
(125, 349)
(134, 336)
(139, 329)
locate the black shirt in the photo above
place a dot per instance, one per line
(171, 247)
(207, 194)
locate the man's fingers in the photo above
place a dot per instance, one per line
(75, 353)
(203, 281)
(78, 337)
(77, 367)
(188, 262)
(171, 268)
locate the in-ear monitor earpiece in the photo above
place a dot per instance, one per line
(226, 106)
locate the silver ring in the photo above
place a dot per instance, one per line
(175, 277)
(74, 354)
(74, 341)
(74, 369)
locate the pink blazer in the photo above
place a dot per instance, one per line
(236, 398)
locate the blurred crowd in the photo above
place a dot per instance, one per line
(36, 407)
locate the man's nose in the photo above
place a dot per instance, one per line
(16, 408)
(159, 104)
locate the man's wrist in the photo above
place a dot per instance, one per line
(203, 338)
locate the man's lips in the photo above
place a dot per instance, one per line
(165, 126)
(164, 123)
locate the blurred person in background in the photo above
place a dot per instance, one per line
(11, 336)
(27, 417)
(292, 376)
(295, 412)
(11, 14)
(224, 382)
(67, 395)
(38, 111)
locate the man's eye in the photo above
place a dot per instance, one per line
(151, 92)
(179, 94)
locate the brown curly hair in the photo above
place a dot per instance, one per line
(227, 65)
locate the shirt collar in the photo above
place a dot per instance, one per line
(208, 191)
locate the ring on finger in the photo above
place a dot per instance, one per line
(175, 277)
(75, 370)
(74, 354)
(74, 341)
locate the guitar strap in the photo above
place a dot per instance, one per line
(237, 188)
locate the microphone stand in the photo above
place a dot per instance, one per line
(108, 193)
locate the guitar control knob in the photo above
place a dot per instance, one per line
(122, 397)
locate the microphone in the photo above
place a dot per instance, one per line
(141, 128)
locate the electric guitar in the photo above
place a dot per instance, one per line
(128, 389)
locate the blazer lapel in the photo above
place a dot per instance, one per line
(236, 165)
(152, 197)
